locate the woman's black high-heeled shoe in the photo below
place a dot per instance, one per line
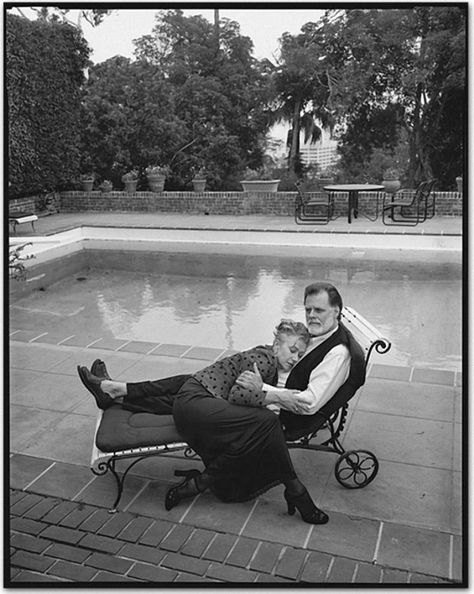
(184, 489)
(305, 505)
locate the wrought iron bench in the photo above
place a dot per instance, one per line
(123, 435)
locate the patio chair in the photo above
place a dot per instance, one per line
(313, 208)
(123, 435)
(410, 207)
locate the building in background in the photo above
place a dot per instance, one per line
(323, 152)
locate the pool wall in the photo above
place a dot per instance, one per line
(68, 252)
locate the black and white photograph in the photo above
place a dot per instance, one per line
(235, 313)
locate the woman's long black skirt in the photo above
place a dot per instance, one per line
(242, 447)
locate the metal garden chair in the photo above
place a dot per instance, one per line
(313, 208)
(408, 207)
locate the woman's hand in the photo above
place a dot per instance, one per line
(251, 380)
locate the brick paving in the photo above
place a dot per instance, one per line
(69, 542)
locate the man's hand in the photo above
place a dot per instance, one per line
(251, 380)
(290, 400)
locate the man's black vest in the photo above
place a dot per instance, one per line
(296, 426)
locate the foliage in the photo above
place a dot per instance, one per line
(200, 173)
(44, 76)
(16, 266)
(183, 102)
(302, 88)
(87, 177)
(405, 66)
(157, 170)
(263, 173)
(391, 174)
(106, 186)
(54, 14)
(130, 176)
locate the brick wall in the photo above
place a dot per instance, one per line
(225, 203)
(22, 205)
(44, 203)
(235, 203)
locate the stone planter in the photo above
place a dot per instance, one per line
(156, 182)
(391, 185)
(267, 185)
(199, 185)
(130, 186)
(87, 185)
(459, 184)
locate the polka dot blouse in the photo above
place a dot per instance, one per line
(219, 378)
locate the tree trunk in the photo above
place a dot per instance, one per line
(295, 138)
(419, 167)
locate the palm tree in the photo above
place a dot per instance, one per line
(305, 88)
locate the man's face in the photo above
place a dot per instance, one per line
(321, 317)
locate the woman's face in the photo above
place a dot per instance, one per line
(288, 350)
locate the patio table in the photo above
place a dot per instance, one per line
(352, 191)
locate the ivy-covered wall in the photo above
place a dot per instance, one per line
(44, 75)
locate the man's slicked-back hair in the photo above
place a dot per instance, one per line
(334, 297)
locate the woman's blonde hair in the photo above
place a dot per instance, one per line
(292, 328)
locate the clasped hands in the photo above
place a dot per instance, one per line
(287, 399)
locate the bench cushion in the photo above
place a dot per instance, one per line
(122, 430)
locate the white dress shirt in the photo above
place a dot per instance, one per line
(325, 379)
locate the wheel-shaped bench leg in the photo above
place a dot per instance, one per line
(356, 469)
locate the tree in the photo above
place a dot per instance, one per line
(409, 63)
(218, 93)
(45, 65)
(55, 14)
(128, 112)
(303, 87)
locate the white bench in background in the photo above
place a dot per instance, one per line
(22, 217)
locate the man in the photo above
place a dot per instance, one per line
(333, 360)
(323, 306)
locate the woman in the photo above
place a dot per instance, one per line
(243, 447)
(239, 440)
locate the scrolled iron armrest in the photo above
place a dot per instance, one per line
(101, 468)
(381, 345)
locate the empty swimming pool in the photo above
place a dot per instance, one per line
(234, 301)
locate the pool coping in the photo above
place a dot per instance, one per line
(253, 229)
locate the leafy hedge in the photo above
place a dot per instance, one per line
(44, 76)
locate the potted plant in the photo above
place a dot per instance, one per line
(17, 270)
(87, 181)
(156, 176)
(106, 186)
(459, 183)
(130, 180)
(199, 180)
(259, 180)
(391, 180)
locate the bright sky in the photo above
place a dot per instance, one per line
(116, 33)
